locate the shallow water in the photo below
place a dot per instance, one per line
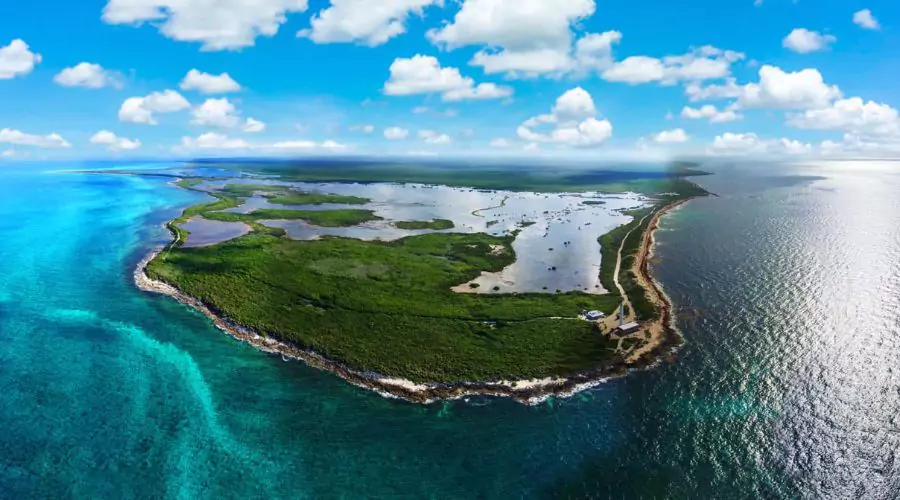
(204, 232)
(559, 251)
(789, 292)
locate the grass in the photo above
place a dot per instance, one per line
(436, 224)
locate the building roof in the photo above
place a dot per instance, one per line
(629, 326)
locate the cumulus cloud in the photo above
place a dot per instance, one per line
(499, 143)
(114, 142)
(253, 126)
(703, 63)
(422, 74)
(776, 89)
(804, 41)
(208, 83)
(802, 89)
(709, 112)
(141, 109)
(17, 59)
(363, 21)
(217, 24)
(573, 120)
(395, 133)
(853, 115)
(219, 113)
(88, 75)
(432, 137)
(49, 141)
(673, 136)
(518, 36)
(731, 144)
(865, 19)
(216, 141)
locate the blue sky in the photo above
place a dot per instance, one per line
(580, 78)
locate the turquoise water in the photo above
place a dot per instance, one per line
(788, 386)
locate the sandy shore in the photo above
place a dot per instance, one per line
(664, 338)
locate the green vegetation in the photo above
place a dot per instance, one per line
(189, 182)
(323, 218)
(593, 202)
(388, 306)
(285, 195)
(436, 224)
(306, 198)
(527, 223)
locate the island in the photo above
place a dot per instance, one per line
(407, 312)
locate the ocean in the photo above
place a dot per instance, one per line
(788, 386)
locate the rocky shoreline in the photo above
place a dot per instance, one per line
(529, 392)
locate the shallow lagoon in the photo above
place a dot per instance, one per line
(205, 232)
(559, 251)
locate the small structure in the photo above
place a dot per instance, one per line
(594, 315)
(627, 327)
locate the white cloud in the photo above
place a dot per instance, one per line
(422, 74)
(432, 137)
(141, 109)
(217, 24)
(710, 112)
(703, 63)
(519, 36)
(113, 142)
(636, 69)
(395, 133)
(363, 21)
(499, 143)
(728, 90)
(219, 113)
(804, 41)
(253, 126)
(216, 141)
(853, 115)
(731, 144)
(421, 109)
(482, 91)
(88, 75)
(50, 141)
(212, 140)
(676, 135)
(531, 146)
(593, 51)
(805, 89)
(776, 89)
(865, 19)
(573, 117)
(208, 83)
(366, 129)
(17, 59)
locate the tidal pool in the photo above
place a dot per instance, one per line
(556, 245)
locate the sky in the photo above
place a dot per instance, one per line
(587, 79)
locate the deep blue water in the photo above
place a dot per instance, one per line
(788, 386)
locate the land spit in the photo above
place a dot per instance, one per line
(664, 339)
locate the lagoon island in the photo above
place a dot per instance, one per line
(427, 286)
